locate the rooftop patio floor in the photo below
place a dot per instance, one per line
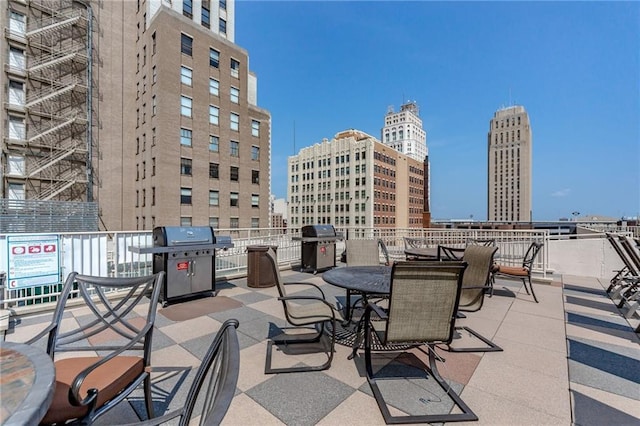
(570, 359)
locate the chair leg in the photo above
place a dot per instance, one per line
(491, 347)
(269, 370)
(531, 286)
(148, 399)
(465, 414)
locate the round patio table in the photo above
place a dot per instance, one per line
(368, 280)
(363, 279)
(28, 383)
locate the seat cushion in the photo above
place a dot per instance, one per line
(518, 271)
(109, 379)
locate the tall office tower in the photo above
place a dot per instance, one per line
(509, 165)
(47, 102)
(182, 139)
(355, 180)
(403, 132)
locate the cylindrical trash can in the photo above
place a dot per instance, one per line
(259, 271)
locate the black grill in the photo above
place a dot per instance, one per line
(318, 247)
(187, 255)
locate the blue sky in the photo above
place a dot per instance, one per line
(327, 66)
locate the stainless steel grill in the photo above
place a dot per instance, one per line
(187, 255)
(318, 247)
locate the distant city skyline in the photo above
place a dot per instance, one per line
(331, 66)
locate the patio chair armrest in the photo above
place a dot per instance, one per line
(318, 299)
(306, 284)
(474, 287)
(41, 334)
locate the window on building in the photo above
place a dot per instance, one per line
(17, 128)
(185, 166)
(187, 8)
(234, 198)
(214, 143)
(255, 222)
(206, 20)
(186, 76)
(234, 95)
(153, 43)
(153, 166)
(16, 92)
(255, 176)
(235, 68)
(214, 170)
(185, 137)
(185, 106)
(185, 221)
(234, 222)
(214, 198)
(154, 105)
(16, 191)
(255, 128)
(186, 44)
(234, 121)
(214, 87)
(17, 23)
(16, 165)
(223, 26)
(16, 58)
(234, 173)
(255, 200)
(234, 148)
(255, 153)
(214, 58)
(223, 4)
(214, 115)
(214, 222)
(154, 75)
(185, 195)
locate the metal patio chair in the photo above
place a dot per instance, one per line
(301, 312)
(522, 272)
(364, 252)
(475, 283)
(116, 340)
(214, 383)
(422, 311)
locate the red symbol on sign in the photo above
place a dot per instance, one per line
(49, 248)
(182, 266)
(35, 249)
(18, 250)
(323, 250)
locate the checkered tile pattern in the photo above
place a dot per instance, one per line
(570, 359)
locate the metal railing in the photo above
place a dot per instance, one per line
(109, 254)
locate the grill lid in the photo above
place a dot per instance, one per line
(318, 231)
(169, 236)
